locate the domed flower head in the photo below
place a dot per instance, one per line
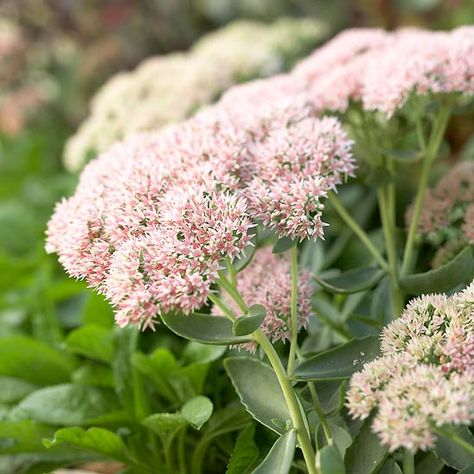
(425, 377)
(267, 281)
(296, 167)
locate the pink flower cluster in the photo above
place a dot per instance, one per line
(381, 69)
(153, 216)
(267, 281)
(425, 376)
(447, 216)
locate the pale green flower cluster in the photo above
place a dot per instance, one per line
(168, 89)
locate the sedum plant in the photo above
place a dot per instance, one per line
(216, 230)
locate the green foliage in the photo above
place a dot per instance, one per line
(340, 362)
(245, 452)
(256, 384)
(280, 456)
(352, 281)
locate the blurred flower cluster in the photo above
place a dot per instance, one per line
(424, 379)
(168, 89)
(447, 217)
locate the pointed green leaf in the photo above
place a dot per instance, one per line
(366, 454)
(256, 384)
(280, 457)
(391, 467)
(204, 328)
(93, 341)
(197, 411)
(451, 452)
(67, 405)
(329, 461)
(283, 245)
(340, 362)
(34, 361)
(250, 323)
(245, 452)
(459, 270)
(98, 440)
(22, 436)
(352, 281)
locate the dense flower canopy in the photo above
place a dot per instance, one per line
(153, 216)
(425, 376)
(447, 216)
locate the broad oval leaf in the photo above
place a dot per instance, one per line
(165, 425)
(340, 362)
(250, 323)
(352, 281)
(256, 385)
(197, 411)
(329, 461)
(366, 454)
(204, 328)
(451, 452)
(67, 405)
(283, 245)
(280, 457)
(459, 270)
(391, 467)
(98, 440)
(93, 341)
(34, 361)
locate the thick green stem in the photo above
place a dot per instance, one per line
(291, 401)
(293, 310)
(430, 156)
(319, 411)
(285, 383)
(361, 234)
(408, 463)
(389, 237)
(231, 271)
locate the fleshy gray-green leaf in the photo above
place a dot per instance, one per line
(391, 467)
(366, 453)
(204, 328)
(280, 457)
(251, 322)
(98, 440)
(245, 452)
(451, 452)
(459, 270)
(197, 411)
(329, 461)
(195, 352)
(340, 362)
(467, 470)
(34, 361)
(352, 281)
(67, 405)
(258, 390)
(93, 341)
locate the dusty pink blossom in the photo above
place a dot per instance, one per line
(297, 166)
(425, 376)
(267, 281)
(447, 215)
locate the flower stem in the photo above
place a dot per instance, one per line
(297, 416)
(222, 306)
(389, 237)
(293, 310)
(319, 411)
(408, 463)
(430, 156)
(361, 234)
(291, 401)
